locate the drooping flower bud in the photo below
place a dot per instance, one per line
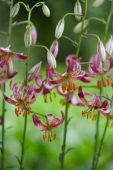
(33, 33)
(27, 39)
(33, 36)
(101, 51)
(15, 10)
(54, 48)
(77, 28)
(51, 59)
(98, 3)
(77, 10)
(46, 10)
(59, 28)
(109, 46)
(34, 71)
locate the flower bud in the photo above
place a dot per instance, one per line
(109, 46)
(46, 10)
(78, 26)
(101, 51)
(51, 59)
(59, 29)
(27, 40)
(33, 36)
(34, 71)
(77, 10)
(98, 3)
(15, 10)
(33, 33)
(54, 48)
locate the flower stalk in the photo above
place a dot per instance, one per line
(27, 69)
(82, 27)
(108, 21)
(96, 136)
(4, 88)
(65, 133)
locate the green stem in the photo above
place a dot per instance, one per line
(108, 21)
(3, 130)
(82, 26)
(27, 69)
(102, 140)
(96, 137)
(4, 88)
(65, 133)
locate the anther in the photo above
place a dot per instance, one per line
(108, 81)
(99, 84)
(24, 113)
(104, 83)
(16, 112)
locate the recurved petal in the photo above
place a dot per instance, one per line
(55, 122)
(20, 56)
(38, 123)
(9, 100)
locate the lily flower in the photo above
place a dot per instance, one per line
(72, 74)
(44, 88)
(51, 123)
(96, 69)
(93, 105)
(6, 55)
(22, 98)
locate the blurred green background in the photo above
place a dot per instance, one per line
(40, 155)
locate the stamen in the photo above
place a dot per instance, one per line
(54, 136)
(94, 117)
(104, 83)
(29, 109)
(83, 113)
(90, 114)
(51, 133)
(74, 86)
(50, 97)
(87, 116)
(45, 99)
(16, 112)
(24, 113)
(108, 81)
(54, 94)
(99, 84)
(19, 108)
(64, 88)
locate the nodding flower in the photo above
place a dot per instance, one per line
(96, 69)
(73, 73)
(93, 105)
(22, 98)
(44, 89)
(51, 123)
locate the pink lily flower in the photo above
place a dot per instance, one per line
(44, 88)
(93, 105)
(72, 74)
(22, 98)
(51, 122)
(96, 69)
(6, 55)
